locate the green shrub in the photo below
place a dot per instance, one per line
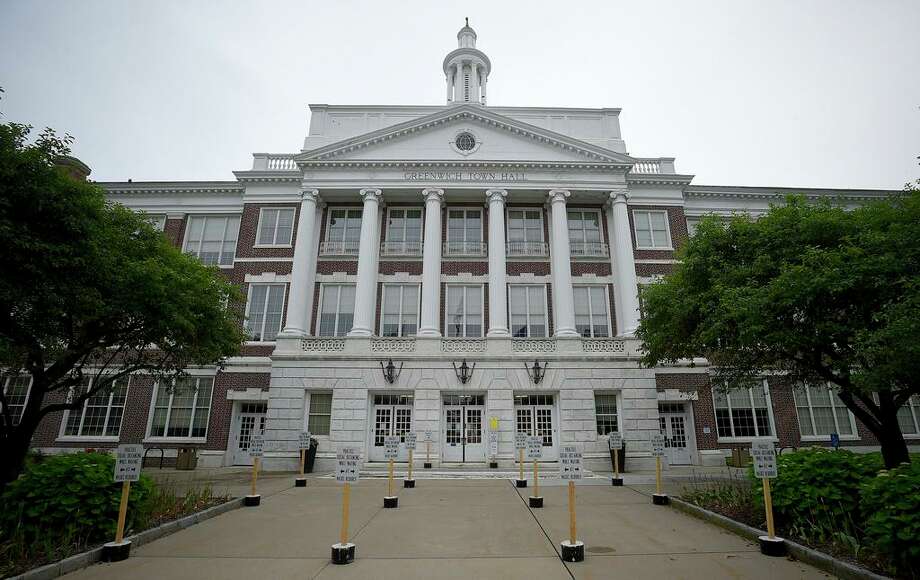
(891, 509)
(70, 498)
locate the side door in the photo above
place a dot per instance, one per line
(250, 421)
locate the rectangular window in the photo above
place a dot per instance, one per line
(157, 221)
(743, 413)
(276, 226)
(692, 223)
(821, 413)
(16, 392)
(463, 311)
(320, 414)
(344, 232)
(527, 312)
(399, 312)
(264, 311)
(585, 233)
(909, 417)
(605, 409)
(101, 413)
(182, 411)
(404, 225)
(464, 232)
(212, 238)
(591, 318)
(337, 309)
(652, 229)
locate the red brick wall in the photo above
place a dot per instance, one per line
(174, 229)
(677, 224)
(596, 268)
(249, 224)
(654, 269)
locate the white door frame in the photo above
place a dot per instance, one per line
(468, 452)
(239, 456)
(550, 453)
(690, 441)
(375, 453)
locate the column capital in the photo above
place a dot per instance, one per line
(433, 194)
(498, 195)
(619, 196)
(309, 194)
(559, 195)
(371, 194)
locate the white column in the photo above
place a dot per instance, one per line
(447, 79)
(368, 248)
(562, 269)
(458, 93)
(626, 288)
(431, 264)
(498, 292)
(299, 291)
(474, 82)
(485, 81)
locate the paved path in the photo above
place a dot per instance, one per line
(450, 529)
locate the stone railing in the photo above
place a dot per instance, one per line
(533, 345)
(463, 345)
(392, 345)
(603, 345)
(322, 344)
(588, 249)
(339, 248)
(401, 249)
(661, 165)
(464, 249)
(273, 162)
(525, 248)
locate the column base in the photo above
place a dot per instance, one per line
(116, 551)
(573, 552)
(520, 483)
(616, 481)
(409, 483)
(343, 553)
(536, 502)
(391, 502)
(300, 482)
(772, 546)
(252, 500)
(661, 499)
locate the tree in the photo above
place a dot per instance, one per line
(824, 294)
(89, 288)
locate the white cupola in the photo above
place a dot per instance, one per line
(466, 70)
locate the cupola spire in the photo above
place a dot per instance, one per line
(466, 69)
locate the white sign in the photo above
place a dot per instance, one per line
(658, 445)
(411, 438)
(493, 444)
(347, 459)
(391, 446)
(764, 456)
(534, 447)
(615, 440)
(304, 439)
(569, 462)
(128, 462)
(256, 445)
(520, 440)
(428, 436)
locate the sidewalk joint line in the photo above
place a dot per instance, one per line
(545, 534)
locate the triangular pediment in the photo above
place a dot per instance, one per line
(434, 138)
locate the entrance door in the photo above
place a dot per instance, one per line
(250, 421)
(533, 415)
(672, 419)
(463, 428)
(392, 416)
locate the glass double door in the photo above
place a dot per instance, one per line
(249, 421)
(463, 430)
(534, 415)
(673, 424)
(392, 415)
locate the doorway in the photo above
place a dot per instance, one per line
(392, 415)
(673, 423)
(249, 421)
(535, 415)
(462, 417)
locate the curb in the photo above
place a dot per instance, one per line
(90, 557)
(819, 560)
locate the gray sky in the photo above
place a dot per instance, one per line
(812, 94)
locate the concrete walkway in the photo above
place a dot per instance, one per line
(450, 529)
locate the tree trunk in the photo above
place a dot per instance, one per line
(13, 453)
(894, 448)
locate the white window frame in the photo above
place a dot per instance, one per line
(618, 414)
(606, 293)
(275, 243)
(338, 310)
(62, 436)
(418, 306)
(158, 221)
(482, 310)
(527, 295)
(405, 208)
(307, 413)
(648, 222)
(600, 224)
(264, 310)
(835, 401)
(465, 210)
(539, 210)
(913, 406)
(182, 439)
(743, 439)
(693, 222)
(226, 217)
(346, 208)
(25, 401)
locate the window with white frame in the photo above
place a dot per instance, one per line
(404, 225)
(399, 312)
(337, 309)
(15, 393)
(264, 311)
(157, 221)
(463, 310)
(605, 411)
(182, 411)
(692, 223)
(101, 413)
(591, 319)
(276, 226)
(319, 416)
(909, 417)
(821, 412)
(585, 232)
(344, 229)
(652, 229)
(527, 310)
(743, 412)
(212, 238)
(464, 231)
(525, 225)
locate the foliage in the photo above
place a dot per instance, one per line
(730, 497)
(817, 291)
(891, 511)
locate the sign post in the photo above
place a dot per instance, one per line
(127, 469)
(493, 442)
(615, 439)
(301, 480)
(346, 473)
(659, 498)
(535, 452)
(570, 470)
(520, 444)
(764, 456)
(391, 452)
(411, 438)
(256, 447)
(427, 449)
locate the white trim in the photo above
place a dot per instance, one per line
(735, 439)
(463, 278)
(400, 278)
(667, 229)
(337, 278)
(610, 330)
(284, 292)
(600, 222)
(308, 399)
(347, 208)
(25, 401)
(184, 439)
(854, 433)
(463, 208)
(421, 219)
(338, 307)
(527, 310)
(206, 216)
(108, 410)
(418, 306)
(538, 209)
(263, 259)
(482, 309)
(268, 278)
(258, 244)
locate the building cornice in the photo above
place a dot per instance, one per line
(774, 193)
(658, 179)
(171, 187)
(463, 163)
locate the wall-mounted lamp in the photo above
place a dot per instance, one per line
(536, 372)
(464, 371)
(390, 372)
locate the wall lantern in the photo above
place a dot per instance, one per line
(536, 372)
(390, 372)
(464, 371)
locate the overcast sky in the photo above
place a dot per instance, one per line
(801, 93)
